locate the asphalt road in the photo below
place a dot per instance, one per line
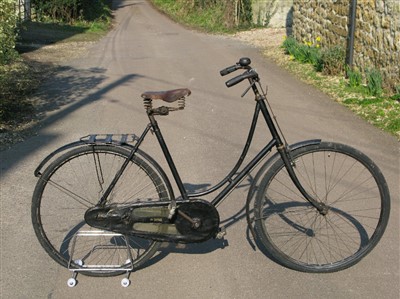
(100, 93)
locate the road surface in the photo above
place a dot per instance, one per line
(100, 93)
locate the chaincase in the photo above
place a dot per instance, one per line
(151, 220)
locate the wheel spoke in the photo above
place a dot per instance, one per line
(302, 238)
(75, 182)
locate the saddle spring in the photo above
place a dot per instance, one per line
(148, 105)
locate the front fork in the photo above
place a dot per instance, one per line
(290, 165)
(285, 153)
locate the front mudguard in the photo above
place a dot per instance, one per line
(260, 174)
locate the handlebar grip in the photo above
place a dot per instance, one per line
(229, 70)
(234, 81)
(240, 78)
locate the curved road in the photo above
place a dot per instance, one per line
(100, 93)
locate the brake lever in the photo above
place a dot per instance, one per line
(247, 89)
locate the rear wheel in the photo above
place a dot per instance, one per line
(300, 237)
(74, 183)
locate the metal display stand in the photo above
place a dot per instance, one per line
(91, 259)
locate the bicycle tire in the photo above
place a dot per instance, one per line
(74, 182)
(299, 237)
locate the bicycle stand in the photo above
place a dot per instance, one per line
(90, 258)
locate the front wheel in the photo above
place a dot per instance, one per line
(75, 182)
(301, 238)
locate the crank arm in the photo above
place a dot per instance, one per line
(195, 222)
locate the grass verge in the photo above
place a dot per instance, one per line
(382, 111)
(21, 77)
(208, 19)
(17, 82)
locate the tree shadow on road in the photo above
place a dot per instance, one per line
(67, 86)
(65, 90)
(34, 35)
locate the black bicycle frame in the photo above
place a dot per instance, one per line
(233, 178)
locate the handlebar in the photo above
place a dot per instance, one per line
(229, 69)
(244, 63)
(246, 75)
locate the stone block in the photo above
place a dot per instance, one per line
(341, 32)
(380, 6)
(386, 22)
(377, 36)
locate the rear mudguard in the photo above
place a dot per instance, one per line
(126, 141)
(108, 139)
(255, 183)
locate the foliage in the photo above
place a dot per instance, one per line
(355, 77)
(374, 82)
(289, 45)
(206, 15)
(71, 11)
(396, 96)
(8, 24)
(244, 13)
(209, 15)
(16, 82)
(331, 61)
(307, 52)
(382, 112)
(334, 60)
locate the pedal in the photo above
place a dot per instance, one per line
(221, 233)
(172, 209)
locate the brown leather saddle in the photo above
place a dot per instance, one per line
(168, 96)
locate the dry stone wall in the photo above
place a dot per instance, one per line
(377, 33)
(272, 13)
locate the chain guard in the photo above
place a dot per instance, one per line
(206, 216)
(150, 220)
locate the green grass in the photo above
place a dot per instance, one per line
(207, 19)
(369, 101)
(50, 32)
(381, 112)
(17, 80)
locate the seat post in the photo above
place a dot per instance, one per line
(167, 156)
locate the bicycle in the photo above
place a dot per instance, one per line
(320, 207)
